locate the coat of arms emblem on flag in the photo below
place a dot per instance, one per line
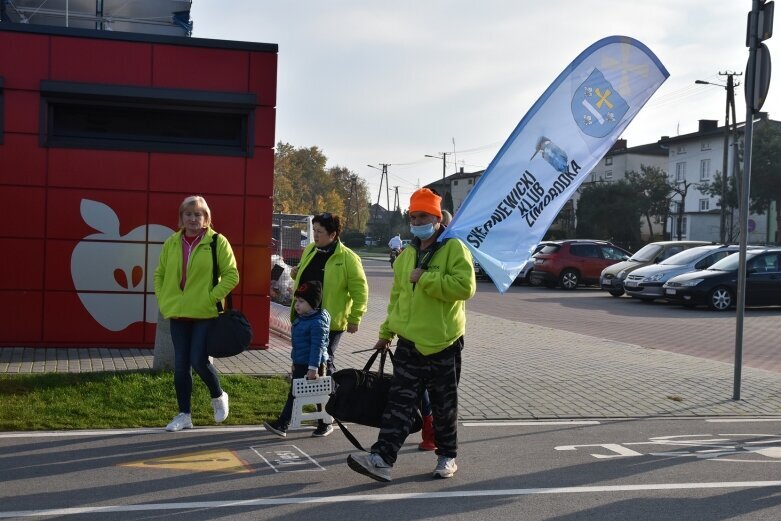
(597, 106)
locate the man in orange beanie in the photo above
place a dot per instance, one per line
(431, 282)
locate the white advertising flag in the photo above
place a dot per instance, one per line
(548, 155)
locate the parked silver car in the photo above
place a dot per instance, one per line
(646, 283)
(612, 277)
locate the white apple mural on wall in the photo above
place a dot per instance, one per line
(111, 272)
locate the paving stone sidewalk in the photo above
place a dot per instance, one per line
(511, 370)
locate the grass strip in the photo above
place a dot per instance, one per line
(113, 400)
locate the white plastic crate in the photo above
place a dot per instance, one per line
(310, 392)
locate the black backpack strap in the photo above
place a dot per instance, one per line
(427, 257)
(434, 247)
(216, 276)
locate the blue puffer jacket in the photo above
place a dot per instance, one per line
(309, 336)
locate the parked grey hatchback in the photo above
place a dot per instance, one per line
(612, 277)
(646, 283)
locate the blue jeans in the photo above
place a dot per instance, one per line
(425, 404)
(189, 339)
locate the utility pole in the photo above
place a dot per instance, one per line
(443, 157)
(384, 175)
(349, 210)
(730, 88)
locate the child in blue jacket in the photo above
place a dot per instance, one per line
(309, 335)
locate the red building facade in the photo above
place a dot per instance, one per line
(102, 135)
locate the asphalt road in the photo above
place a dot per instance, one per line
(616, 470)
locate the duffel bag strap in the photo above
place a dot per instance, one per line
(373, 357)
(349, 436)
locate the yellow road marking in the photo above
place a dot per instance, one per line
(203, 461)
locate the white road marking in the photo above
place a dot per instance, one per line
(529, 423)
(243, 503)
(287, 460)
(120, 432)
(742, 420)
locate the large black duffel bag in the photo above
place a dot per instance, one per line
(360, 396)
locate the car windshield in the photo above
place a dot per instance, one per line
(647, 253)
(730, 263)
(685, 257)
(550, 248)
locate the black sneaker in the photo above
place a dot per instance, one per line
(276, 428)
(323, 430)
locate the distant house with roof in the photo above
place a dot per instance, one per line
(694, 159)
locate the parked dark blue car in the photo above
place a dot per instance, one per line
(716, 287)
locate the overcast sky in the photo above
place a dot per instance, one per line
(374, 82)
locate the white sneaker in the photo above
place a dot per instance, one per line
(370, 464)
(180, 421)
(446, 467)
(221, 408)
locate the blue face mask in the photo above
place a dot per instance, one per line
(423, 231)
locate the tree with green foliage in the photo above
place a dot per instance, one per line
(303, 185)
(766, 171)
(765, 176)
(653, 190)
(609, 211)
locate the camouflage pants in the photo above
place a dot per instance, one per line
(412, 373)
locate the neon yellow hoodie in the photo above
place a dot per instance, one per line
(345, 290)
(431, 313)
(198, 299)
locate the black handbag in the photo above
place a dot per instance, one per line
(230, 333)
(360, 396)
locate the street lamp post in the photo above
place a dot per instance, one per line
(730, 88)
(443, 157)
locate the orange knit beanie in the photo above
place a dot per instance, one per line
(424, 200)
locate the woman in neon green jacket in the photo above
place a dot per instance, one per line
(339, 269)
(183, 287)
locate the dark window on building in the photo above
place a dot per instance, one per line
(133, 118)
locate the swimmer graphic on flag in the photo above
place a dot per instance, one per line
(551, 151)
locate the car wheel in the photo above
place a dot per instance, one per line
(569, 279)
(616, 292)
(720, 299)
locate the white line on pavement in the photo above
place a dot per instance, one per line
(386, 497)
(529, 423)
(743, 420)
(120, 432)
